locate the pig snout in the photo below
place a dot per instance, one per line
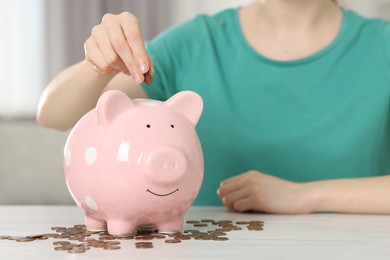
(166, 166)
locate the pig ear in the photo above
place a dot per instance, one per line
(110, 105)
(187, 103)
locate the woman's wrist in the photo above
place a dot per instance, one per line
(100, 74)
(313, 197)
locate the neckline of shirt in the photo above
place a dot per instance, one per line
(300, 61)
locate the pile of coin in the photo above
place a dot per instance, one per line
(80, 240)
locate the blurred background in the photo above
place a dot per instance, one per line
(42, 37)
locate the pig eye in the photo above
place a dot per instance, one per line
(148, 126)
(172, 126)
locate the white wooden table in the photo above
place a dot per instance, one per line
(316, 236)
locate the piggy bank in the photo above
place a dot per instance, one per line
(131, 162)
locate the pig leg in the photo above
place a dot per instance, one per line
(120, 227)
(94, 224)
(174, 225)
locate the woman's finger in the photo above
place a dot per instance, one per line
(244, 204)
(122, 49)
(230, 199)
(104, 44)
(228, 188)
(132, 32)
(94, 56)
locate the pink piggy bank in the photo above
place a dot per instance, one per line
(134, 162)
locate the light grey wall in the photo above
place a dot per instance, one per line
(31, 164)
(69, 23)
(369, 8)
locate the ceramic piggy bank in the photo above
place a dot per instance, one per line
(135, 162)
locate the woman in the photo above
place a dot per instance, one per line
(296, 100)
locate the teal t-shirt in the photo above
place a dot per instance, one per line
(325, 116)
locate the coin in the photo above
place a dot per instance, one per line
(220, 238)
(106, 238)
(35, 236)
(202, 237)
(192, 221)
(15, 237)
(207, 220)
(62, 248)
(225, 222)
(79, 226)
(112, 243)
(216, 233)
(76, 250)
(24, 239)
(58, 228)
(200, 224)
(235, 228)
(172, 241)
(144, 245)
(256, 222)
(125, 237)
(255, 228)
(158, 236)
(103, 240)
(111, 247)
(242, 222)
(144, 237)
(184, 237)
(148, 78)
(191, 231)
(223, 229)
(61, 243)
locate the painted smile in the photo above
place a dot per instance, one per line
(162, 195)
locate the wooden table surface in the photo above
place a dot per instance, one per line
(315, 236)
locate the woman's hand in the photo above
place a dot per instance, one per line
(116, 45)
(257, 191)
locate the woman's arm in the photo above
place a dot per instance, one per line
(75, 91)
(254, 190)
(369, 195)
(115, 57)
